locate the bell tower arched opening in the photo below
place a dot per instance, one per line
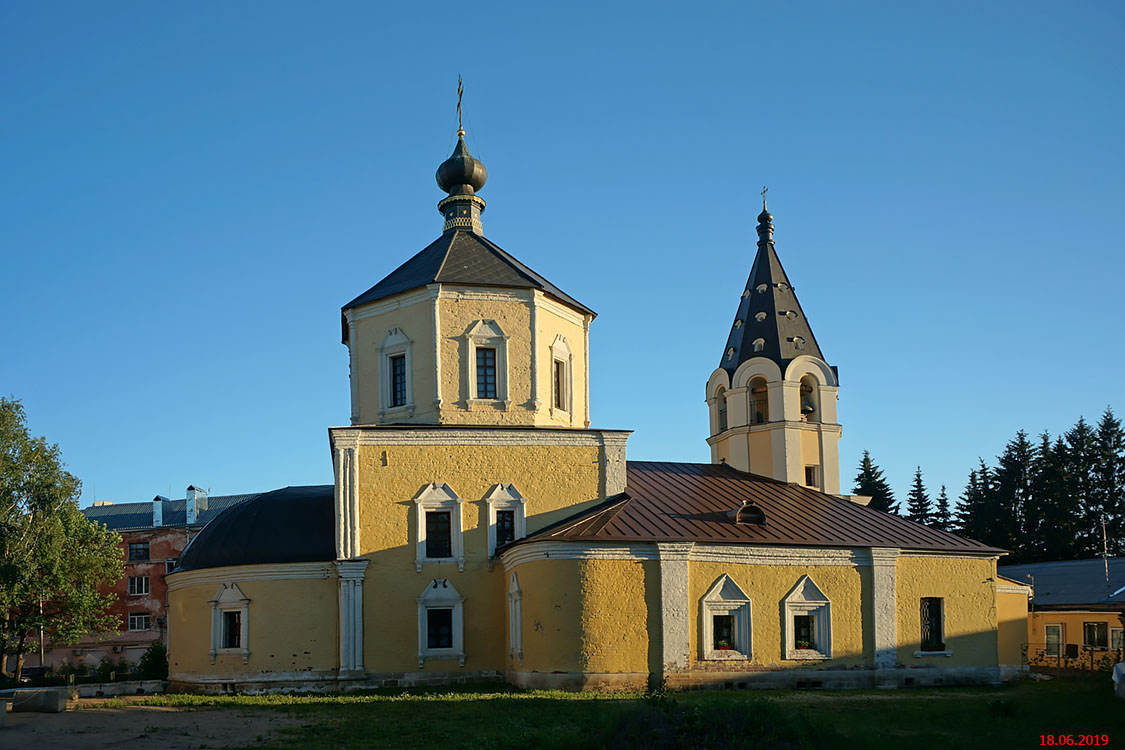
(810, 399)
(759, 404)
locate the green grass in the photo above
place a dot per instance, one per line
(485, 717)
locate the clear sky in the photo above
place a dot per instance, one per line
(190, 191)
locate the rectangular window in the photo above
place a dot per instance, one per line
(139, 621)
(398, 380)
(1095, 634)
(723, 628)
(138, 585)
(810, 476)
(232, 629)
(804, 631)
(933, 639)
(439, 537)
(138, 551)
(505, 527)
(439, 628)
(1117, 639)
(169, 565)
(486, 372)
(1053, 635)
(560, 385)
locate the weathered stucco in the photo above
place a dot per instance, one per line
(968, 587)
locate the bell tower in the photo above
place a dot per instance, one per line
(772, 400)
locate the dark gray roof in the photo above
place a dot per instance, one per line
(693, 502)
(135, 516)
(294, 524)
(459, 257)
(784, 319)
(1072, 582)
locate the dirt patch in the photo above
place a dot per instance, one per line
(144, 728)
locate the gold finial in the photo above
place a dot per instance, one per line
(764, 188)
(460, 92)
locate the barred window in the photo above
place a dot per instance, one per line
(439, 539)
(486, 372)
(232, 629)
(933, 639)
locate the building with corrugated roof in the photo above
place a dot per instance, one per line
(478, 527)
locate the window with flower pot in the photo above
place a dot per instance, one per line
(808, 622)
(725, 627)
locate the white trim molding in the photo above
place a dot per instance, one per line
(441, 594)
(440, 498)
(807, 600)
(562, 399)
(346, 468)
(675, 609)
(515, 618)
(351, 614)
(505, 497)
(395, 344)
(258, 572)
(482, 334)
(229, 598)
(351, 437)
(885, 607)
(726, 598)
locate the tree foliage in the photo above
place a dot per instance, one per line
(52, 559)
(1045, 500)
(918, 505)
(871, 482)
(942, 517)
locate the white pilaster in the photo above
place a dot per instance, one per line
(353, 368)
(586, 365)
(675, 609)
(534, 351)
(351, 614)
(435, 290)
(884, 605)
(346, 502)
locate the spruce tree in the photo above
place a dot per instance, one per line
(1108, 490)
(1008, 505)
(918, 507)
(1081, 464)
(870, 482)
(942, 518)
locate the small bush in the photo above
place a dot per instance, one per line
(153, 664)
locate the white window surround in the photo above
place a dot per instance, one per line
(726, 598)
(806, 598)
(440, 594)
(515, 618)
(439, 497)
(139, 621)
(229, 598)
(1059, 645)
(138, 585)
(395, 343)
(1116, 636)
(505, 497)
(560, 352)
(486, 333)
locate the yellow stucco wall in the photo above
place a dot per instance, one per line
(968, 587)
(416, 321)
(282, 637)
(549, 325)
(1012, 628)
(761, 452)
(810, 450)
(767, 586)
(552, 616)
(556, 480)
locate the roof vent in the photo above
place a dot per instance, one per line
(750, 513)
(102, 503)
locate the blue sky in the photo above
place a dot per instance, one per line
(191, 190)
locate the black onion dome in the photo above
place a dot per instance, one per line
(765, 217)
(461, 169)
(295, 524)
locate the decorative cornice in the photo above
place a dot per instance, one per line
(351, 437)
(242, 573)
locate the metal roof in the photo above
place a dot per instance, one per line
(783, 320)
(694, 502)
(294, 524)
(459, 257)
(1072, 582)
(136, 516)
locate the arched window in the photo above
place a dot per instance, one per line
(809, 407)
(721, 408)
(759, 401)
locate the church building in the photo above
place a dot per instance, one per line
(478, 527)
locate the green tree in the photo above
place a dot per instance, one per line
(942, 517)
(1108, 490)
(52, 559)
(918, 505)
(1081, 465)
(1013, 527)
(870, 482)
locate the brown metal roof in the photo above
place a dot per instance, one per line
(692, 502)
